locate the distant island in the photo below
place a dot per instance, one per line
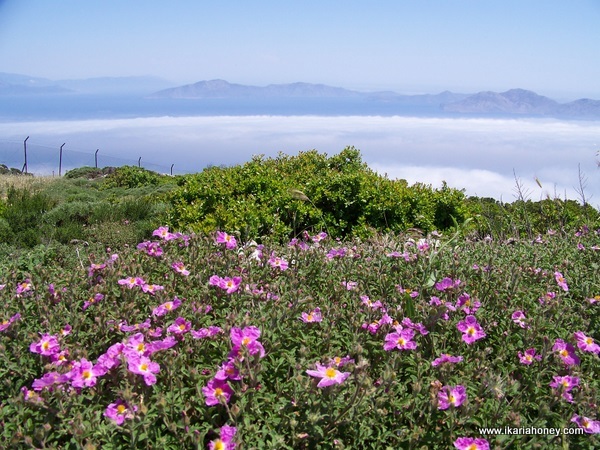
(514, 102)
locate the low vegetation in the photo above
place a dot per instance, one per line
(294, 302)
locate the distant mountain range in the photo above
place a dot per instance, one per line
(515, 102)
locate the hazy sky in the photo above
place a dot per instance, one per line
(549, 46)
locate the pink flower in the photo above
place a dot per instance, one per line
(246, 338)
(586, 343)
(225, 440)
(350, 285)
(132, 282)
(112, 357)
(589, 425)
(278, 263)
(467, 443)
(401, 340)
(446, 284)
(48, 345)
(7, 323)
(151, 248)
(371, 304)
(48, 380)
(217, 391)
(529, 356)
(564, 385)
(180, 268)
(560, 280)
(518, 317)
(206, 332)
(31, 396)
(468, 305)
(85, 374)
(547, 298)
(163, 233)
(180, 326)
(451, 396)
(566, 352)
(120, 411)
(166, 307)
(407, 323)
(319, 237)
(329, 375)
(152, 288)
(142, 365)
(470, 329)
(340, 362)
(313, 316)
(227, 239)
(446, 359)
(92, 300)
(228, 371)
(24, 287)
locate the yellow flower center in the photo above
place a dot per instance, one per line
(401, 341)
(218, 392)
(589, 341)
(182, 327)
(564, 353)
(451, 399)
(245, 341)
(141, 347)
(121, 409)
(86, 374)
(46, 345)
(473, 447)
(220, 445)
(143, 367)
(470, 331)
(168, 306)
(309, 317)
(330, 372)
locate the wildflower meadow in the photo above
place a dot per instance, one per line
(451, 338)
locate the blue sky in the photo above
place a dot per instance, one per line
(549, 46)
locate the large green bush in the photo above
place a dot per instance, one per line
(286, 195)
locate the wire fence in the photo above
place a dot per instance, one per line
(43, 159)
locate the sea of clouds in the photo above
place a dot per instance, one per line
(483, 156)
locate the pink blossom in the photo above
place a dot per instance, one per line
(31, 396)
(338, 361)
(278, 263)
(48, 380)
(163, 233)
(230, 285)
(401, 340)
(166, 307)
(407, 323)
(228, 371)
(120, 411)
(547, 298)
(142, 365)
(350, 285)
(560, 280)
(451, 396)
(445, 358)
(564, 386)
(85, 374)
(24, 287)
(589, 425)
(518, 317)
(586, 343)
(227, 239)
(225, 440)
(468, 305)
(313, 316)
(246, 338)
(132, 282)
(48, 345)
(470, 329)
(206, 332)
(529, 356)
(566, 352)
(329, 375)
(7, 323)
(467, 443)
(217, 391)
(112, 357)
(446, 284)
(151, 248)
(371, 304)
(180, 326)
(179, 267)
(138, 326)
(152, 288)
(92, 300)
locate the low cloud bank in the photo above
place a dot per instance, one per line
(478, 155)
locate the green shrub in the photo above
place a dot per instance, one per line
(286, 195)
(133, 177)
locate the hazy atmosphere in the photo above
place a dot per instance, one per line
(549, 47)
